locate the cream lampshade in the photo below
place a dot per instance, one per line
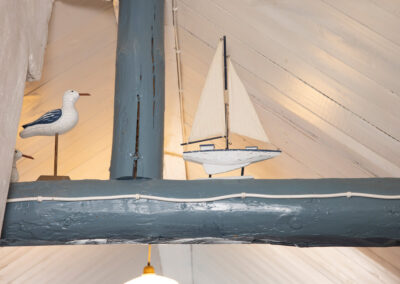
(150, 277)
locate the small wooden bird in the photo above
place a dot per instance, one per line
(53, 123)
(14, 172)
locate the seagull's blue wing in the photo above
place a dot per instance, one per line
(48, 117)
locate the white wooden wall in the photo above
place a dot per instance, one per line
(23, 36)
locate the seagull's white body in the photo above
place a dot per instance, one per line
(14, 171)
(54, 124)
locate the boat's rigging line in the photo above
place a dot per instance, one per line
(226, 97)
(242, 195)
(202, 140)
(179, 75)
(178, 66)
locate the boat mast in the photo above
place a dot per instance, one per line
(226, 97)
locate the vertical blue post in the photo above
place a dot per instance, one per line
(138, 136)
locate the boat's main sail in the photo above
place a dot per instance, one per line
(243, 118)
(209, 120)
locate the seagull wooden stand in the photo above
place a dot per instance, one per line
(54, 176)
(55, 122)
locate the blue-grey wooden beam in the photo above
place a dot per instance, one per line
(344, 221)
(139, 90)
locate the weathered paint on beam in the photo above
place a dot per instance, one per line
(303, 222)
(139, 90)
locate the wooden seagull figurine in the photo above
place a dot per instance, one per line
(53, 123)
(14, 172)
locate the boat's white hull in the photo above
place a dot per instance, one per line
(220, 161)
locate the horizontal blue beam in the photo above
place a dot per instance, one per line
(344, 221)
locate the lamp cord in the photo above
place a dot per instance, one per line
(149, 256)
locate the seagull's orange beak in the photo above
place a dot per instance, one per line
(26, 156)
(84, 94)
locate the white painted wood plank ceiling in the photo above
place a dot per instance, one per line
(323, 76)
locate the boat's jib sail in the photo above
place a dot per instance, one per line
(243, 118)
(209, 120)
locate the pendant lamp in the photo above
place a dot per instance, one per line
(149, 276)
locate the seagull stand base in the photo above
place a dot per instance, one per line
(44, 177)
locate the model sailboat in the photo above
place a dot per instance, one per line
(225, 107)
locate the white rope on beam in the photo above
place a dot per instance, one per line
(201, 200)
